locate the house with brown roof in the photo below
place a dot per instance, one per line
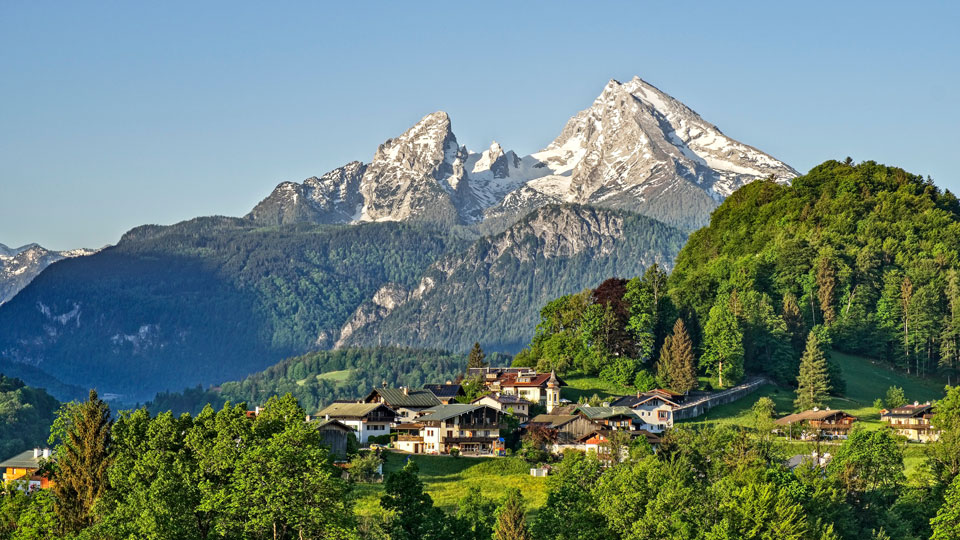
(365, 419)
(537, 388)
(912, 421)
(408, 403)
(564, 429)
(25, 467)
(817, 422)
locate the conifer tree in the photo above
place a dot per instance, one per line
(813, 381)
(684, 372)
(84, 455)
(665, 366)
(511, 521)
(477, 357)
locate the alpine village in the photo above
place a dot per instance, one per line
(646, 330)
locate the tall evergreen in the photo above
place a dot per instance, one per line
(477, 358)
(511, 520)
(83, 457)
(683, 373)
(665, 366)
(813, 381)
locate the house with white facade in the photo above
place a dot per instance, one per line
(471, 428)
(538, 388)
(654, 408)
(366, 419)
(506, 403)
(407, 402)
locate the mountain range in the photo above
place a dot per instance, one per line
(428, 244)
(635, 148)
(18, 266)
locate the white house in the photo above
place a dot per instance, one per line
(655, 410)
(366, 419)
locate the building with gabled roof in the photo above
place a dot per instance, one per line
(446, 393)
(366, 419)
(471, 428)
(407, 402)
(537, 388)
(506, 402)
(564, 428)
(613, 418)
(912, 421)
(334, 434)
(833, 423)
(25, 467)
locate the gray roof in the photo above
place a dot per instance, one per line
(445, 390)
(23, 460)
(395, 397)
(350, 410)
(446, 412)
(600, 413)
(331, 423)
(553, 420)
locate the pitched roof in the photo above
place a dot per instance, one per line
(553, 420)
(602, 413)
(445, 391)
(351, 410)
(446, 412)
(505, 399)
(331, 423)
(809, 415)
(539, 379)
(908, 411)
(23, 460)
(396, 397)
(643, 397)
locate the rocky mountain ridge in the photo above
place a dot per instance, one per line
(634, 148)
(18, 266)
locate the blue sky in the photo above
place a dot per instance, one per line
(116, 114)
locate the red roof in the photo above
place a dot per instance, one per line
(540, 379)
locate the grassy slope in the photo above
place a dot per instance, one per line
(586, 386)
(447, 480)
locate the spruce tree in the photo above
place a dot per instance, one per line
(82, 459)
(477, 357)
(684, 371)
(511, 521)
(813, 381)
(665, 366)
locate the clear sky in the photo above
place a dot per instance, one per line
(116, 114)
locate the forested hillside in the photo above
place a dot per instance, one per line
(25, 416)
(205, 300)
(492, 292)
(867, 252)
(319, 378)
(859, 258)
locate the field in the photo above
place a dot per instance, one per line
(448, 479)
(586, 386)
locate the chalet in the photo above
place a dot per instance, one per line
(407, 403)
(365, 419)
(334, 434)
(912, 421)
(537, 388)
(824, 422)
(654, 408)
(598, 441)
(507, 403)
(612, 418)
(446, 393)
(565, 429)
(24, 467)
(471, 428)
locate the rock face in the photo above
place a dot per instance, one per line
(18, 266)
(634, 148)
(493, 292)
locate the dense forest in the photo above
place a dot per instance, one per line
(864, 257)
(319, 378)
(491, 292)
(222, 475)
(205, 300)
(25, 416)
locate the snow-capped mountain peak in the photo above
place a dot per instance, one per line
(635, 147)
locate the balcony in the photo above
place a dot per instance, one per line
(465, 440)
(409, 438)
(474, 427)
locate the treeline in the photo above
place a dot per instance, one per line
(25, 416)
(863, 257)
(206, 300)
(319, 378)
(222, 475)
(867, 252)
